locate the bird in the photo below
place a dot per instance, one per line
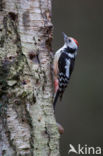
(63, 65)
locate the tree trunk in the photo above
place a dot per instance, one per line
(27, 123)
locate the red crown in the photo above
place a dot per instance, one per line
(76, 42)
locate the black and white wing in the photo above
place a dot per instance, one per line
(65, 66)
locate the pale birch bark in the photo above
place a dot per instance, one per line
(27, 123)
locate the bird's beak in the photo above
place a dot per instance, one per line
(65, 37)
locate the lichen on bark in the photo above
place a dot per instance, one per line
(28, 126)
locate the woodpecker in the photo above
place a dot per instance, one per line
(63, 66)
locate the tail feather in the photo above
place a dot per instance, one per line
(56, 98)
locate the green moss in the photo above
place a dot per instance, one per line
(24, 94)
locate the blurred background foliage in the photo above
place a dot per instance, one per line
(81, 110)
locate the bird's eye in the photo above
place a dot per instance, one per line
(69, 40)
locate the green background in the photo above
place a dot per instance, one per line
(81, 110)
